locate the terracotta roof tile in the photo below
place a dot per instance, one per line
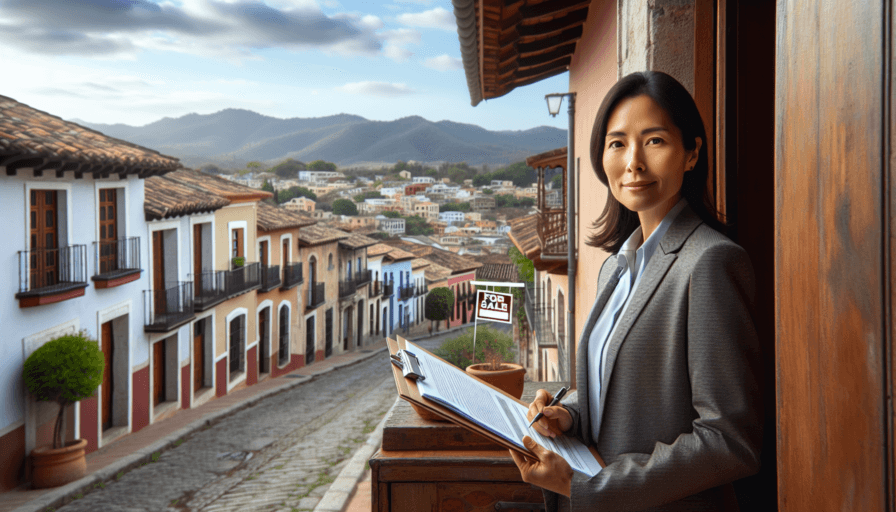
(225, 188)
(524, 235)
(456, 263)
(27, 133)
(435, 273)
(499, 272)
(419, 263)
(166, 197)
(378, 250)
(270, 218)
(317, 235)
(357, 241)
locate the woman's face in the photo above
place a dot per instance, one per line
(644, 157)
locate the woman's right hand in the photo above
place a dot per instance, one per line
(556, 419)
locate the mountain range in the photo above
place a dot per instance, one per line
(233, 137)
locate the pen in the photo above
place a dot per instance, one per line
(554, 402)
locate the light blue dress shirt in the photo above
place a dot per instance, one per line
(632, 260)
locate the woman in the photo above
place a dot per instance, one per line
(667, 364)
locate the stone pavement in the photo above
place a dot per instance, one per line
(137, 449)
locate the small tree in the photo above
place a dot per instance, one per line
(64, 370)
(267, 187)
(439, 305)
(344, 207)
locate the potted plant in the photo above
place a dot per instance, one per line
(64, 370)
(493, 347)
(238, 262)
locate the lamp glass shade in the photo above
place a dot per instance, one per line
(554, 101)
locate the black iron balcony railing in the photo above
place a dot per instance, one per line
(362, 277)
(116, 258)
(292, 276)
(375, 289)
(315, 295)
(422, 289)
(347, 288)
(406, 292)
(209, 289)
(52, 271)
(270, 277)
(167, 309)
(387, 289)
(242, 279)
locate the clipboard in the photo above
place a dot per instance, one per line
(407, 389)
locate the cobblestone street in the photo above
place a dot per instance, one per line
(281, 454)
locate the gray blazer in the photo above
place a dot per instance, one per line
(680, 404)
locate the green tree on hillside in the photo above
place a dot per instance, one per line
(289, 168)
(267, 187)
(370, 194)
(344, 207)
(454, 207)
(417, 225)
(320, 165)
(392, 215)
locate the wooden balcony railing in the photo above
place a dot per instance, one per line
(209, 289)
(167, 309)
(292, 276)
(374, 290)
(270, 277)
(60, 272)
(387, 289)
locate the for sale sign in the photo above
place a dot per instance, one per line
(494, 306)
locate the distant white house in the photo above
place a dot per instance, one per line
(319, 175)
(423, 179)
(391, 191)
(391, 226)
(451, 217)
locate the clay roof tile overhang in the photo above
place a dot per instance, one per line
(44, 142)
(549, 159)
(456, 263)
(271, 218)
(231, 190)
(357, 241)
(317, 235)
(165, 197)
(419, 263)
(506, 44)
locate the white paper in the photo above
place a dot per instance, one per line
(453, 388)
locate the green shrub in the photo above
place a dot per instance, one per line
(439, 304)
(64, 370)
(458, 350)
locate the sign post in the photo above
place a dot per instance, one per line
(493, 306)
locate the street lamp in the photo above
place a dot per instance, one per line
(554, 102)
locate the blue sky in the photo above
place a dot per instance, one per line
(136, 61)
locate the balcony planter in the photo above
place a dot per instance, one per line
(238, 262)
(64, 370)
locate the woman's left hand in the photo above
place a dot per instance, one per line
(549, 471)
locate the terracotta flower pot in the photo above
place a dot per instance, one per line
(508, 379)
(55, 467)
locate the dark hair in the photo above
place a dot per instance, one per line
(617, 222)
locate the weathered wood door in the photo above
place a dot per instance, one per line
(284, 256)
(263, 252)
(310, 338)
(283, 344)
(158, 272)
(198, 354)
(236, 243)
(108, 230)
(328, 332)
(158, 372)
(108, 347)
(44, 264)
(197, 259)
(833, 263)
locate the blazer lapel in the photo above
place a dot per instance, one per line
(666, 254)
(582, 352)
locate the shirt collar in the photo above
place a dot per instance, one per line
(633, 257)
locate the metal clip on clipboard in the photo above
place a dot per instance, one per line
(408, 363)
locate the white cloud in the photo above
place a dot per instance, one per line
(397, 53)
(438, 18)
(230, 28)
(381, 89)
(443, 62)
(397, 40)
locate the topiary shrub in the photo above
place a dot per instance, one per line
(64, 370)
(439, 304)
(492, 346)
